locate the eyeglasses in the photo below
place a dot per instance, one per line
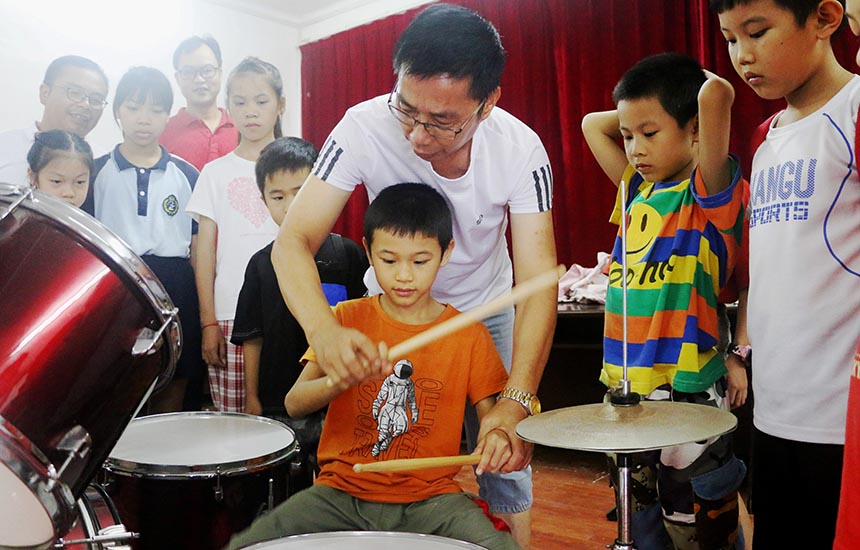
(435, 130)
(206, 72)
(77, 95)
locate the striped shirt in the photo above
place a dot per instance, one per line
(681, 247)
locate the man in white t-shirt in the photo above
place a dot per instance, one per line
(440, 126)
(74, 94)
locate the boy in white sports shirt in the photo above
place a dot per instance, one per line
(804, 297)
(848, 521)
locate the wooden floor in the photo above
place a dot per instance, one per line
(572, 496)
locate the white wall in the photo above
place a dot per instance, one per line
(348, 14)
(118, 34)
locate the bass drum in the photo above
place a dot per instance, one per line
(98, 526)
(87, 334)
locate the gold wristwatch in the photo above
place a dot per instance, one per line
(529, 401)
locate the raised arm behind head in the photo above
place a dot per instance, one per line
(661, 101)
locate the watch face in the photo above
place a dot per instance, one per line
(534, 405)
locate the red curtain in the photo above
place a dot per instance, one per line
(564, 58)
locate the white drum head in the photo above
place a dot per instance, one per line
(24, 522)
(200, 444)
(365, 540)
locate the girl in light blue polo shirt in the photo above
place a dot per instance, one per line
(140, 192)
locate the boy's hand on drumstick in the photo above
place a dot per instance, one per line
(494, 450)
(504, 416)
(348, 357)
(498, 422)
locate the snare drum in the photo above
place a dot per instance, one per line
(87, 333)
(365, 540)
(192, 480)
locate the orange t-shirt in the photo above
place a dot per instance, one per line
(408, 416)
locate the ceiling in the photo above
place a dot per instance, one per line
(297, 12)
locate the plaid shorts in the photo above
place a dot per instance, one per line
(227, 385)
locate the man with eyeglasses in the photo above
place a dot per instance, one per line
(440, 125)
(74, 95)
(201, 131)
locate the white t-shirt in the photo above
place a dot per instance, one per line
(227, 193)
(14, 146)
(804, 301)
(509, 169)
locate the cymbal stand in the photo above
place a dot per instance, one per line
(623, 396)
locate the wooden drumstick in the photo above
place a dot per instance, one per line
(407, 464)
(517, 294)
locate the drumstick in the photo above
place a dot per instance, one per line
(517, 294)
(406, 464)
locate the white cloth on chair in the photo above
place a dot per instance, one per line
(581, 284)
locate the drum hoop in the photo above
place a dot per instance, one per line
(30, 465)
(148, 470)
(366, 534)
(106, 244)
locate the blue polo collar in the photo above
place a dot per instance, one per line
(123, 163)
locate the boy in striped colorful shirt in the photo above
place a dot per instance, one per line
(684, 218)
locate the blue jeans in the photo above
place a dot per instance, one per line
(505, 493)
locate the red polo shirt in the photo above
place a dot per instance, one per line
(188, 137)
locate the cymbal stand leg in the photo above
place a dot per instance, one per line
(625, 504)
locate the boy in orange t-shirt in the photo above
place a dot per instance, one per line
(415, 411)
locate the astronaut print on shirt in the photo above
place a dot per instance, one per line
(397, 413)
(396, 395)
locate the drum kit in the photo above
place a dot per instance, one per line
(88, 333)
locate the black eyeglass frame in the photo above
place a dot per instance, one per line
(189, 72)
(406, 119)
(95, 101)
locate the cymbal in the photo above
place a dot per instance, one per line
(604, 427)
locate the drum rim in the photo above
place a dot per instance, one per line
(109, 245)
(30, 465)
(366, 534)
(149, 470)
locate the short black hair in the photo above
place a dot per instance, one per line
(452, 40)
(192, 43)
(801, 9)
(673, 78)
(140, 83)
(285, 153)
(60, 64)
(50, 144)
(409, 209)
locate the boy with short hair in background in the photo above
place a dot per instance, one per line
(272, 340)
